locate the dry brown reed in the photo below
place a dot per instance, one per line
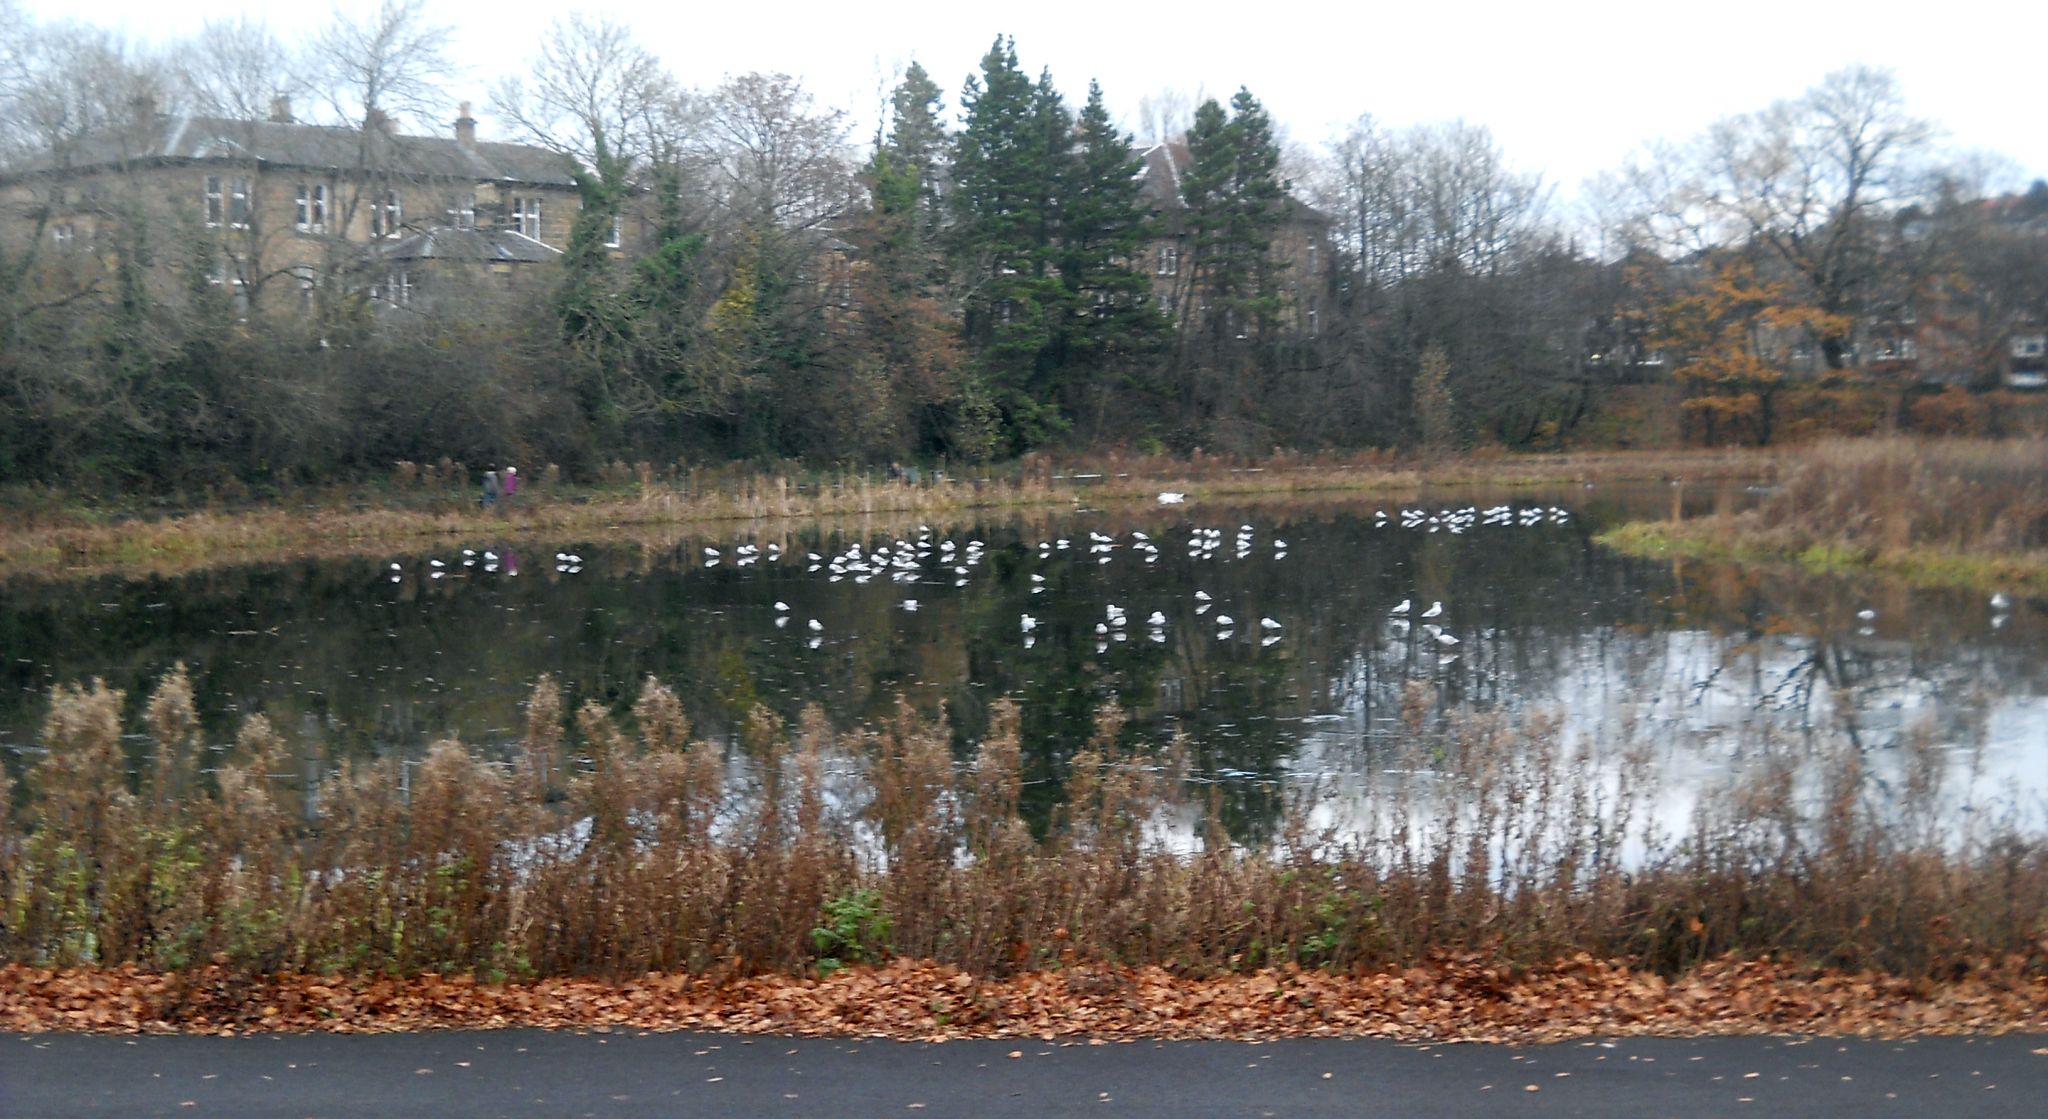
(619, 849)
(1957, 512)
(1894, 494)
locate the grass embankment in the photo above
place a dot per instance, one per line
(1969, 514)
(1511, 891)
(68, 542)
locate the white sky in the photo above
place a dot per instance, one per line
(1568, 89)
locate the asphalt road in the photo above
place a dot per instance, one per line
(538, 1073)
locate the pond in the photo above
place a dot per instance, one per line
(1511, 608)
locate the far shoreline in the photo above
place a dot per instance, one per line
(75, 542)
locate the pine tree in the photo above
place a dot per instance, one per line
(1112, 324)
(1236, 205)
(1007, 164)
(917, 143)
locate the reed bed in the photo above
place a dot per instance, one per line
(1970, 513)
(614, 847)
(52, 542)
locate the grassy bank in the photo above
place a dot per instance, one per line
(606, 849)
(1968, 514)
(57, 539)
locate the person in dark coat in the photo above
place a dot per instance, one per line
(490, 497)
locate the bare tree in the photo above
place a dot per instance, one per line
(62, 83)
(1166, 114)
(1808, 183)
(234, 69)
(775, 159)
(391, 62)
(593, 90)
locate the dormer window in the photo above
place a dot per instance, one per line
(462, 215)
(526, 216)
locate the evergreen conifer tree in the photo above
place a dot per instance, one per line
(1007, 164)
(1112, 324)
(917, 143)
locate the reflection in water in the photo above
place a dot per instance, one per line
(1317, 676)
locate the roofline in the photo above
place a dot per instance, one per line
(183, 123)
(76, 169)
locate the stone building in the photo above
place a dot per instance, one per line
(283, 215)
(1302, 247)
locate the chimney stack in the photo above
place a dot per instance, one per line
(144, 106)
(281, 109)
(376, 120)
(465, 127)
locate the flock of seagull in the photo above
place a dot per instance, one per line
(930, 560)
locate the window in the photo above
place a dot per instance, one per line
(213, 200)
(227, 274)
(307, 281)
(526, 216)
(385, 217)
(2029, 345)
(1169, 260)
(64, 236)
(617, 236)
(1311, 258)
(462, 215)
(1315, 323)
(238, 203)
(394, 288)
(312, 208)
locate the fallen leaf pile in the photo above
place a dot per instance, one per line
(1448, 999)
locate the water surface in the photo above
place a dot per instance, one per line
(357, 657)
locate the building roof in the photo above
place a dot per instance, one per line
(473, 246)
(1161, 174)
(186, 138)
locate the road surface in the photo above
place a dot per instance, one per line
(539, 1073)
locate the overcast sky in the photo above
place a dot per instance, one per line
(1567, 89)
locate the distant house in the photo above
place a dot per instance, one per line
(277, 210)
(1302, 246)
(1944, 329)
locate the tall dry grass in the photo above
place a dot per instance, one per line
(1888, 495)
(1938, 512)
(617, 847)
